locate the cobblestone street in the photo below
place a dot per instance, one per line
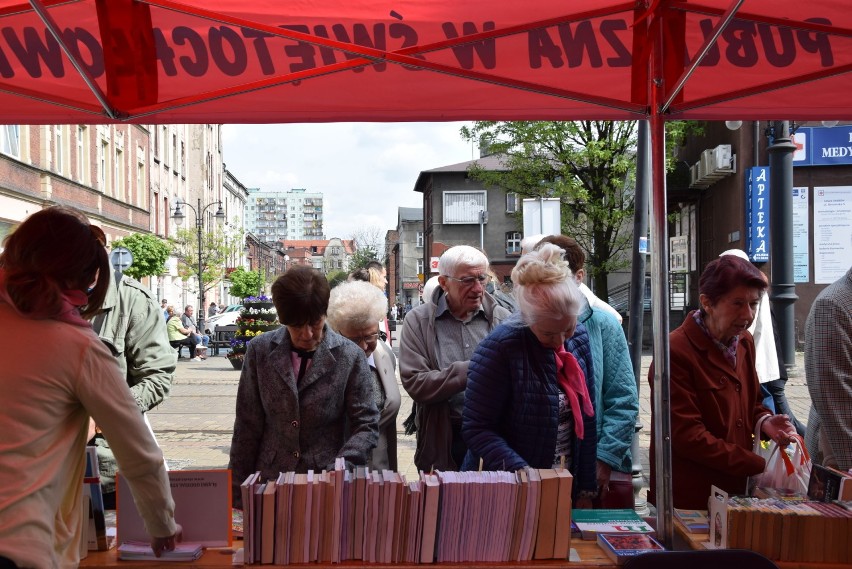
(195, 424)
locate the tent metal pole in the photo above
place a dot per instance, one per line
(636, 322)
(702, 53)
(660, 319)
(48, 20)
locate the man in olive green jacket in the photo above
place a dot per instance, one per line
(132, 327)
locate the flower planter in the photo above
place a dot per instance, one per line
(256, 318)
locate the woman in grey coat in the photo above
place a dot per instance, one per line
(306, 393)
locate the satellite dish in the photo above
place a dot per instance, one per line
(121, 259)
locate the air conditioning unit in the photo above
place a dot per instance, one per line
(723, 158)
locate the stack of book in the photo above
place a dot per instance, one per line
(784, 530)
(693, 521)
(594, 522)
(381, 517)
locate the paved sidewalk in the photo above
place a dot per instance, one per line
(195, 423)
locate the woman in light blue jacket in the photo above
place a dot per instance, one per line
(616, 394)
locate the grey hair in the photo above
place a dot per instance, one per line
(544, 285)
(461, 255)
(356, 304)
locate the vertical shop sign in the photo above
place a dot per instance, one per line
(757, 214)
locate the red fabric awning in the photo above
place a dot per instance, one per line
(267, 61)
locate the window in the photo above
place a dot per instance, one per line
(463, 207)
(513, 243)
(512, 202)
(59, 149)
(141, 189)
(82, 154)
(118, 176)
(419, 239)
(156, 143)
(10, 140)
(419, 266)
(103, 149)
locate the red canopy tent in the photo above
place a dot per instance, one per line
(159, 61)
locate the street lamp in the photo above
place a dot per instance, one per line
(178, 216)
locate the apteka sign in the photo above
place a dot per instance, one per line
(757, 213)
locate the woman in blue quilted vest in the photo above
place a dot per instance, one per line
(529, 401)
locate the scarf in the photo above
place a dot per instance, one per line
(69, 310)
(573, 382)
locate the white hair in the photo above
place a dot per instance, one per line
(356, 304)
(461, 255)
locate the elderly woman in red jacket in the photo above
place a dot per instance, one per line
(715, 393)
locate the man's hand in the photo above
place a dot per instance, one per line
(161, 544)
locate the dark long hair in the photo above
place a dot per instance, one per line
(52, 251)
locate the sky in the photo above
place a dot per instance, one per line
(364, 170)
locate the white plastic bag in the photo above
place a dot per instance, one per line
(786, 468)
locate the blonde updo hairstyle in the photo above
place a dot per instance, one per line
(544, 285)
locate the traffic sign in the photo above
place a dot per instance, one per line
(121, 259)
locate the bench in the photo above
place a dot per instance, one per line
(222, 336)
(178, 344)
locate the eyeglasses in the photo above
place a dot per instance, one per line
(368, 339)
(468, 281)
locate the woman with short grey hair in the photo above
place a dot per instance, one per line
(354, 310)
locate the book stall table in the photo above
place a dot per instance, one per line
(698, 541)
(590, 556)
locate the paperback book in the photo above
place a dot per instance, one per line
(593, 522)
(622, 546)
(827, 484)
(693, 521)
(135, 551)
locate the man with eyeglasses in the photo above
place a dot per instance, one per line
(437, 340)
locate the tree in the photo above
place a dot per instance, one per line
(150, 254)
(369, 246)
(245, 283)
(589, 165)
(216, 249)
(336, 277)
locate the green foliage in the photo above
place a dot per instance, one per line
(216, 249)
(336, 277)
(150, 254)
(362, 256)
(245, 283)
(589, 165)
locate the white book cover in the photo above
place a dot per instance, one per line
(202, 507)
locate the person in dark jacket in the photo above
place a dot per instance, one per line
(529, 401)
